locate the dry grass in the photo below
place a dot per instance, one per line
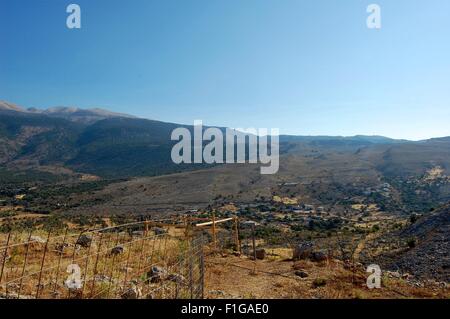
(40, 268)
(232, 276)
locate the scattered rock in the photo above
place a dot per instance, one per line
(303, 251)
(117, 250)
(318, 256)
(406, 276)
(84, 241)
(419, 285)
(132, 293)
(393, 274)
(59, 247)
(157, 274)
(138, 233)
(301, 273)
(443, 285)
(159, 231)
(101, 278)
(260, 253)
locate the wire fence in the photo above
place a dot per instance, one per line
(138, 260)
(157, 259)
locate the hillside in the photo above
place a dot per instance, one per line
(430, 255)
(109, 145)
(63, 143)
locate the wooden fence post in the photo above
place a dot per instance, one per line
(42, 265)
(236, 234)
(253, 242)
(5, 255)
(214, 230)
(202, 272)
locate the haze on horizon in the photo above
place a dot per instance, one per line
(305, 68)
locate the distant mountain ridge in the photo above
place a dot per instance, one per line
(75, 114)
(110, 144)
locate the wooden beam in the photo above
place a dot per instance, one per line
(215, 222)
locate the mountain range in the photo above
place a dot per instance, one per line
(110, 145)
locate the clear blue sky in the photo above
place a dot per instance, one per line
(306, 67)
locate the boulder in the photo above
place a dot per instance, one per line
(260, 253)
(303, 251)
(84, 241)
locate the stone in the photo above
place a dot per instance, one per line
(59, 247)
(102, 278)
(318, 256)
(301, 273)
(303, 251)
(132, 293)
(394, 274)
(84, 241)
(157, 274)
(260, 253)
(117, 250)
(138, 233)
(159, 231)
(406, 276)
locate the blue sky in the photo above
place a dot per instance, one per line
(306, 67)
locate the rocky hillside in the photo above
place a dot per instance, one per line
(428, 254)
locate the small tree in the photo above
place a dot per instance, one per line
(412, 242)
